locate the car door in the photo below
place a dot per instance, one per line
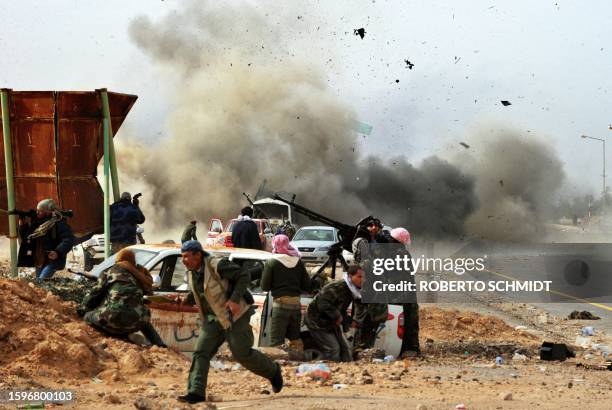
(215, 227)
(178, 325)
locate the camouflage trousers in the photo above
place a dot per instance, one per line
(117, 323)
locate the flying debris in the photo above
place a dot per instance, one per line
(409, 64)
(360, 32)
(506, 103)
(464, 144)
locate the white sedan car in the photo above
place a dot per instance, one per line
(179, 325)
(313, 242)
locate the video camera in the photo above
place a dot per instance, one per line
(135, 199)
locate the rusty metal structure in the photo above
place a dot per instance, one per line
(56, 142)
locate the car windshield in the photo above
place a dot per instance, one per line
(314, 235)
(142, 258)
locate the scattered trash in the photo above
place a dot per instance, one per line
(360, 32)
(589, 356)
(339, 386)
(96, 380)
(555, 351)
(542, 369)
(583, 341)
(520, 327)
(376, 360)
(601, 347)
(506, 103)
(499, 360)
(389, 358)
(543, 318)
(217, 364)
(237, 366)
(460, 406)
(577, 381)
(584, 315)
(318, 371)
(587, 331)
(519, 357)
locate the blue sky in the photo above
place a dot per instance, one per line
(551, 59)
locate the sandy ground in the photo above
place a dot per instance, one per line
(44, 345)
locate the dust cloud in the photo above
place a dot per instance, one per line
(246, 109)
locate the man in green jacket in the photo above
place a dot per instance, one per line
(219, 288)
(327, 317)
(189, 232)
(286, 277)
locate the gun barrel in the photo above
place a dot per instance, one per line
(256, 208)
(346, 232)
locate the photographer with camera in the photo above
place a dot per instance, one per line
(125, 215)
(46, 238)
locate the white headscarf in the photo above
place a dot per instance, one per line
(354, 289)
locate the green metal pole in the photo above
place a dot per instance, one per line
(113, 159)
(10, 187)
(107, 138)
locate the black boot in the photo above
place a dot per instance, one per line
(150, 333)
(191, 398)
(277, 380)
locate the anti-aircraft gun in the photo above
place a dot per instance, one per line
(346, 234)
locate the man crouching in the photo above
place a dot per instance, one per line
(219, 288)
(115, 306)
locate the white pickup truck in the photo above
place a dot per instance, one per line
(178, 325)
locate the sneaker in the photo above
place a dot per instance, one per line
(277, 380)
(191, 398)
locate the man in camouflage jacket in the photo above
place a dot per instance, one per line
(115, 305)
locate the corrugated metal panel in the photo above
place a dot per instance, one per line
(57, 145)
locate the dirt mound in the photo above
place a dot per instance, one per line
(451, 325)
(41, 336)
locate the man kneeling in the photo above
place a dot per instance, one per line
(327, 318)
(219, 288)
(115, 306)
